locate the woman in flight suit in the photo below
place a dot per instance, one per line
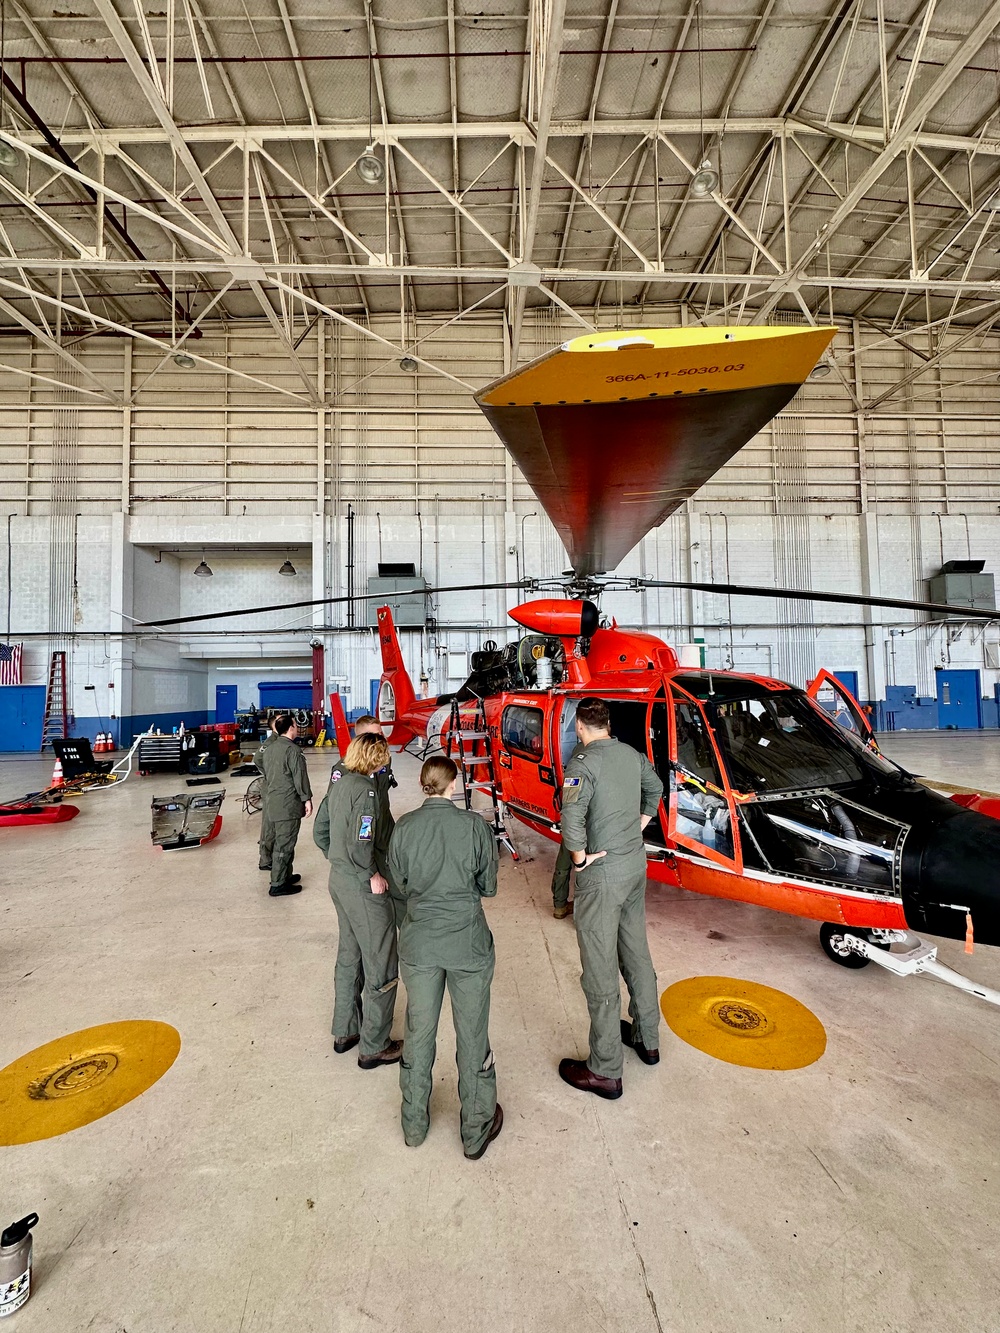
(444, 862)
(366, 953)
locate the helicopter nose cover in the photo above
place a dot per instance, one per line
(614, 431)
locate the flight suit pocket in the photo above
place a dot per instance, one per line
(481, 939)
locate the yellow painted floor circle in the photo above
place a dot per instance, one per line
(82, 1077)
(743, 1023)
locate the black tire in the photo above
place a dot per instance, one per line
(831, 937)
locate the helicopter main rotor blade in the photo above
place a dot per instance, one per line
(843, 598)
(329, 601)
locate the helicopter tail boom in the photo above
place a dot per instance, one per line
(396, 694)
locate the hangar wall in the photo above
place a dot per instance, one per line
(111, 507)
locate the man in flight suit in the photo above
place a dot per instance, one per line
(287, 800)
(610, 794)
(266, 838)
(383, 781)
(445, 862)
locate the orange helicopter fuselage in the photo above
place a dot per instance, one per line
(531, 735)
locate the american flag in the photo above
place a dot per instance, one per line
(10, 663)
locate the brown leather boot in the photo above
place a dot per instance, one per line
(390, 1056)
(495, 1129)
(577, 1074)
(563, 910)
(648, 1057)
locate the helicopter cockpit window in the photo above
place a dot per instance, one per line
(521, 730)
(567, 730)
(702, 816)
(780, 743)
(827, 838)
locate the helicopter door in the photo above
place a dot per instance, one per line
(702, 812)
(836, 700)
(529, 780)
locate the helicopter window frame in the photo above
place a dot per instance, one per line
(721, 790)
(515, 745)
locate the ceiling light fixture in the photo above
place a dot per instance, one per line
(288, 570)
(203, 571)
(185, 361)
(820, 371)
(8, 154)
(369, 167)
(408, 363)
(705, 180)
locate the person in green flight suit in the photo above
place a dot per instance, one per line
(562, 905)
(367, 968)
(610, 793)
(287, 801)
(444, 860)
(383, 782)
(266, 840)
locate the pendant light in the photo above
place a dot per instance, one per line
(288, 570)
(9, 156)
(203, 571)
(705, 180)
(369, 166)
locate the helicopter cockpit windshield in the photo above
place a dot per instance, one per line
(777, 741)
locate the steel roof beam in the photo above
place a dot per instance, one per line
(184, 155)
(896, 144)
(45, 338)
(863, 136)
(496, 274)
(549, 55)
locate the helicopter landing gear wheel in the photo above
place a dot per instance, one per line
(836, 948)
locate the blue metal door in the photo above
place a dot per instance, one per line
(21, 710)
(225, 703)
(958, 699)
(849, 679)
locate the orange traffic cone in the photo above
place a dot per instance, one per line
(57, 775)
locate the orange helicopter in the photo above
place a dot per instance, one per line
(774, 795)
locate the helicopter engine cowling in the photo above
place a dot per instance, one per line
(572, 619)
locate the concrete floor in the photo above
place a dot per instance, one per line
(263, 1183)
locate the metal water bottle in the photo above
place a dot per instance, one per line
(15, 1265)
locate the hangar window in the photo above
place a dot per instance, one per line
(521, 730)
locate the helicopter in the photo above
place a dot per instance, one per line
(773, 795)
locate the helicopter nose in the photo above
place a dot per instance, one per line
(959, 875)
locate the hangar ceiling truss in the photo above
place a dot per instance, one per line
(169, 167)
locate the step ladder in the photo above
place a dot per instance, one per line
(55, 725)
(468, 744)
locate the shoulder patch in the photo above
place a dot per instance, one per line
(365, 828)
(336, 775)
(572, 782)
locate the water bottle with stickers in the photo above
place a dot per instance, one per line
(15, 1265)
